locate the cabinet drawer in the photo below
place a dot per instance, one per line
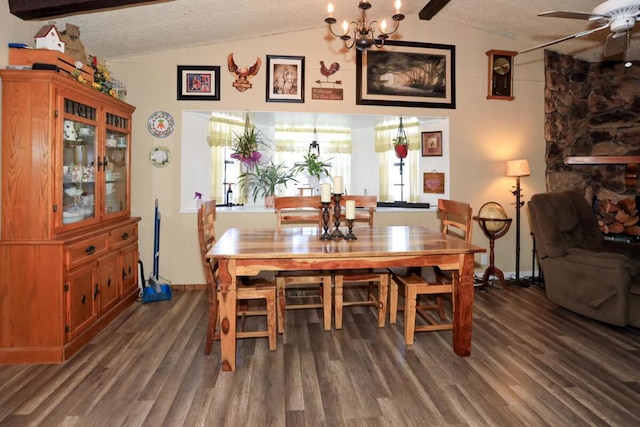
(86, 250)
(123, 236)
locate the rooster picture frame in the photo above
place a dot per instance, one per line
(198, 82)
(285, 78)
(407, 74)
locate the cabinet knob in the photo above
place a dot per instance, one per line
(90, 250)
(124, 236)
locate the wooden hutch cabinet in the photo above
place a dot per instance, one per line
(68, 244)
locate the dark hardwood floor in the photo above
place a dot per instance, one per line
(532, 364)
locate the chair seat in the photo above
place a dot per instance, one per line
(364, 276)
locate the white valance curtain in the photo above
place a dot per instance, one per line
(335, 147)
(222, 128)
(384, 135)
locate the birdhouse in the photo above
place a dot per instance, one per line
(48, 38)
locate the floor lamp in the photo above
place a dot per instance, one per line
(518, 168)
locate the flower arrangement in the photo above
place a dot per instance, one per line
(101, 77)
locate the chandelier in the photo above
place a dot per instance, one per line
(364, 32)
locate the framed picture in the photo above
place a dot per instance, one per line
(407, 74)
(285, 78)
(433, 182)
(432, 143)
(198, 82)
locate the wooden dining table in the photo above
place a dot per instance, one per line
(248, 251)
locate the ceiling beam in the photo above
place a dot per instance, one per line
(38, 9)
(432, 8)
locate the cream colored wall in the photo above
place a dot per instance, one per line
(484, 133)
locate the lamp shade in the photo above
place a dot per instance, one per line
(518, 168)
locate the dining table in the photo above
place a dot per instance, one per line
(249, 251)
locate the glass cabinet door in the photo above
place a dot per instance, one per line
(116, 164)
(78, 163)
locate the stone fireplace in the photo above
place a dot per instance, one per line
(592, 128)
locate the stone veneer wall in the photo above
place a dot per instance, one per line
(591, 109)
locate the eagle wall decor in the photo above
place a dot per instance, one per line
(243, 74)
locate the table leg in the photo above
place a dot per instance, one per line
(228, 316)
(463, 303)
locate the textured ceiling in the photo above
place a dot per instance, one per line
(174, 24)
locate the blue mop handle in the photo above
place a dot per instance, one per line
(156, 241)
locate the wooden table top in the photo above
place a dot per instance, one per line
(301, 242)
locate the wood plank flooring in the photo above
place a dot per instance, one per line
(532, 364)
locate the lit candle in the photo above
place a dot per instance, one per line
(337, 185)
(383, 25)
(330, 10)
(398, 4)
(345, 26)
(351, 209)
(325, 193)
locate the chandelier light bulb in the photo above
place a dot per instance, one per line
(361, 32)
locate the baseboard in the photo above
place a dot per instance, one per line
(186, 287)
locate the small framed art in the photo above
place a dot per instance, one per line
(198, 82)
(285, 78)
(432, 143)
(433, 182)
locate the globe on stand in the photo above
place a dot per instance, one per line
(494, 223)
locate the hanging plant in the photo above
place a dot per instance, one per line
(245, 145)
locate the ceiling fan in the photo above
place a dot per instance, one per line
(618, 15)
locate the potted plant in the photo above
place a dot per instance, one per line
(245, 146)
(313, 168)
(401, 146)
(265, 180)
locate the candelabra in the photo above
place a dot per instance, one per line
(337, 234)
(350, 235)
(325, 221)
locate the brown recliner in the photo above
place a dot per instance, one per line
(583, 272)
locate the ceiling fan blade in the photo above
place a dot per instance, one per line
(615, 44)
(572, 15)
(572, 36)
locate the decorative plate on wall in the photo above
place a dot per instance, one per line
(160, 124)
(159, 156)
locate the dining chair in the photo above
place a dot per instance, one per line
(301, 211)
(456, 220)
(248, 288)
(361, 278)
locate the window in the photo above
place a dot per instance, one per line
(390, 178)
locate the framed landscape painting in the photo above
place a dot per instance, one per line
(407, 74)
(198, 82)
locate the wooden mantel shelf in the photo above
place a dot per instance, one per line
(602, 160)
(631, 162)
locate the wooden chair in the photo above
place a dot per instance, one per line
(301, 210)
(456, 220)
(365, 209)
(254, 288)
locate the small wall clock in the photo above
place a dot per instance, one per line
(500, 74)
